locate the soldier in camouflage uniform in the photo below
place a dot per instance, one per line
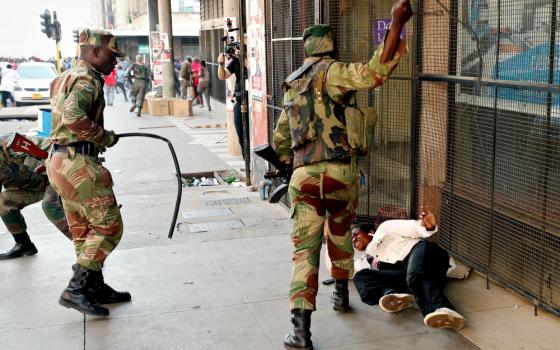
(23, 187)
(76, 172)
(311, 133)
(141, 75)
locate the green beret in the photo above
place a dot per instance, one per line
(318, 30)
(318, 39)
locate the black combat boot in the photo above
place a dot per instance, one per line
(133, 107)
(103, 293)
(23, 247)
(139, 112)
(339, 297)
(301, 339)
(76, 295)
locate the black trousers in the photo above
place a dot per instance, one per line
(422, 273)
(238, 122)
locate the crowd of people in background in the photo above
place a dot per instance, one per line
(194, 81)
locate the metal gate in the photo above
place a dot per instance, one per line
(469, 124)
(488, 149)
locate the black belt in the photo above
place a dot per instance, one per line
(85, 148)
(345, 160)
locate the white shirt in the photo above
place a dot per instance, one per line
(9, 79)
(394, 239)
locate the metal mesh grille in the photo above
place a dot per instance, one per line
(489, 142)
(387, 166)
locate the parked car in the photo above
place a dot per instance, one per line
(34, 82)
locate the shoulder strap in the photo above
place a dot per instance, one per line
(303, 69)
(323, 68)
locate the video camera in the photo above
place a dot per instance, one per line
(231, 46)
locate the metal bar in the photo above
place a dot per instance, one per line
(517, 85)
(288, 39)
(415, 110)
(494, 137)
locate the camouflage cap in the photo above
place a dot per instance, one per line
(100, 38)
(318, 39)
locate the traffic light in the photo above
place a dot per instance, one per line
(56, 28)
(46, 23)
(76, 36)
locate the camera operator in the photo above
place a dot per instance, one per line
(234, 67)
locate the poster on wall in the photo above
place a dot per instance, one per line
(257, 66)
(517, 49)
(155, 61)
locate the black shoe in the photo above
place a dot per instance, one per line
(339, 297)
(76, 295)
(104, 294)
(301, 338)
(133, 108)
(139, 113)
(19, 250)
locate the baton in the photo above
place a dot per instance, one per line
(177, 169)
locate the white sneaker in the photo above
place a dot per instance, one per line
(445, 318)
(396, 302)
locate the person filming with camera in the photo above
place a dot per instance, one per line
(224, 72)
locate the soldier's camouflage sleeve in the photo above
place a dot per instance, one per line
(76, 105)
(352, 76)
(282, 140)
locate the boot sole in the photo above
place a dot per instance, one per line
(288, 347)
(27, 253)
(70, 305)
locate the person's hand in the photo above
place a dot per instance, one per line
(428, 218)
(114, 139)
(401, 11)
(221, 58)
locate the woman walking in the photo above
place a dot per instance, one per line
(203, 87)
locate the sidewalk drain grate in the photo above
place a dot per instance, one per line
(227, 201)
(193, 214)
(217, 225)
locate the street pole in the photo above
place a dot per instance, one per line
(58, 66)
(165, 27)
(244, 99)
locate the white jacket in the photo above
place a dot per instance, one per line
(9, 79)
(394, 239)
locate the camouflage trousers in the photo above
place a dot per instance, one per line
(137, 92)
(12, 201)
(324, 197)
(94, 218)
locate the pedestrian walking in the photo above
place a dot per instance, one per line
(195, 71)
(185, 76)
(120, 82)
(140, 73)
(203, 87)
(9, 79)
(22, 187)
(110, 87)
(76, 173)
(312, 134)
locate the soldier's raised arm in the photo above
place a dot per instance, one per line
(352, 76)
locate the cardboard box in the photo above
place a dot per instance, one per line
(182, 108)
(158, 107)
(145, 106)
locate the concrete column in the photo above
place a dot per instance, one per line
(165, 25)
(153, 15)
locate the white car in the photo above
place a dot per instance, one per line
(34, 82)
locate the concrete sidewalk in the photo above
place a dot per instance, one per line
(222, 282)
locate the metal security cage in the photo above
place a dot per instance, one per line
(489, 137)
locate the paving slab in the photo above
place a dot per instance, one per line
(67, 337)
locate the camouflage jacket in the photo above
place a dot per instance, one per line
(17, 169)
(341, 80)
(77, 107)
(139, 71)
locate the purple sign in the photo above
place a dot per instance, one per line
(380, 27)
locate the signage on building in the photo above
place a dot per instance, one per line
(143, 50)
(381, 27)
(257, 67)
